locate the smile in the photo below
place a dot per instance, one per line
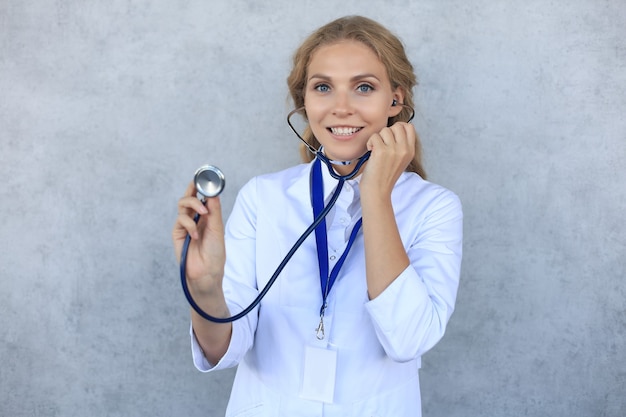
(344, 131)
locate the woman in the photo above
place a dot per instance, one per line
(351, 344)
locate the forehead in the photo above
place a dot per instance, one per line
(345, 56)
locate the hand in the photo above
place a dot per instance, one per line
(393, 149)
(206, 254)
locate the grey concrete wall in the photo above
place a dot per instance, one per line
(107, 108)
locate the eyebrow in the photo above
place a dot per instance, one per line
(355, 78)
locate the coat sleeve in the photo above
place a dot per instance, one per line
(411, 315)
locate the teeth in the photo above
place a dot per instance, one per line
(344, 131)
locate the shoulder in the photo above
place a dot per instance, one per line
(285, 177)
(268, 193)
(270, 185)
(412, 190)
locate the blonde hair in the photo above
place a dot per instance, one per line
(385, 45)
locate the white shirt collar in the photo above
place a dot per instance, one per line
(330, 183)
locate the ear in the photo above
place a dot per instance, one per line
(398, 96)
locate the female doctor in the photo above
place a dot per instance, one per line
(342, 331)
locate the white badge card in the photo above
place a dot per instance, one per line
(318, 380)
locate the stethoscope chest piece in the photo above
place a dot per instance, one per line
(209, 181)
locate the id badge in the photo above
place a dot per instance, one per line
(318, 379)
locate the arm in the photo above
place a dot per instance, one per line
(411, 315)
(213, 338)
(385, 257)
(205, 269)
(412, 284)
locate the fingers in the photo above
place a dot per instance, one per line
(185, 225)
(398, 139)
(392, 148)
(190, 204)
(214, 221)
(188, 207)
(206, 249)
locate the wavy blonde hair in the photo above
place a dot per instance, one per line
(385, 45)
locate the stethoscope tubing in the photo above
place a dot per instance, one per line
(281, 266)
(341, 178)
(319, 153)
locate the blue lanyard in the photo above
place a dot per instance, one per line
(317, 201)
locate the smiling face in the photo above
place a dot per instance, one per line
(347, 98)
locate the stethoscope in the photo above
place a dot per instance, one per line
(210, 182)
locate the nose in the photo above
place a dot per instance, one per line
(342, 105)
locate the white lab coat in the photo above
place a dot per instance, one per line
(379, 342)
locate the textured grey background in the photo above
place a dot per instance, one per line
(107, 108)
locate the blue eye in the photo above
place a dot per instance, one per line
(365, 88)
(322, 88)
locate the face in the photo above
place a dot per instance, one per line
(348, 98)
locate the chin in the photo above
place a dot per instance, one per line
(345, 156)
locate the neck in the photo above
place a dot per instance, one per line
(342, 170)
(346, 169)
